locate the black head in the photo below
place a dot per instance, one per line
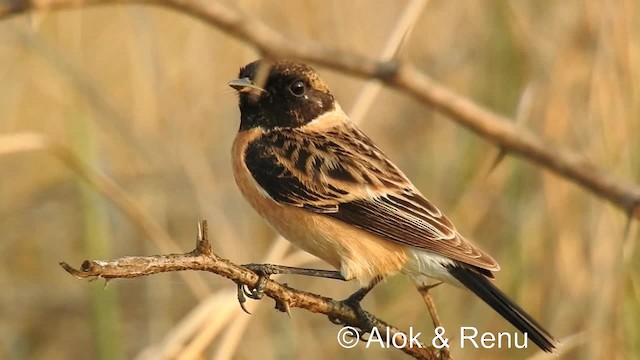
(292, 95)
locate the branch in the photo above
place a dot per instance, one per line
(202, 258)
(405, 77)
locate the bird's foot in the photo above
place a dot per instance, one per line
(365, 320)
(264, 271)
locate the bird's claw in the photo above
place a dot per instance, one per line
(256, 292)
(242, 299)
(365, 320)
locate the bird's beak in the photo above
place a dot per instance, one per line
(244, 85)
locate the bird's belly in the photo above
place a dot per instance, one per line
(299, 228)
(357, 254)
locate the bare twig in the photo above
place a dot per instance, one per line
(203, 259)
(428, 300)
(405, 77)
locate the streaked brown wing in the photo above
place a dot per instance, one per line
(402, 218)
(342, 174)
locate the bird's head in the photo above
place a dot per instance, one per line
(280, 94)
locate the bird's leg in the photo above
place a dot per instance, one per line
(353, 301)
(271, 269)
(264, 271)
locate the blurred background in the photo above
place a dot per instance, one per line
(138, 95)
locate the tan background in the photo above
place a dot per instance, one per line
(139, 93)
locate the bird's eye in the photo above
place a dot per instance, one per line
(298, 88)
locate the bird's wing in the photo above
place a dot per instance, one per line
(339, 172)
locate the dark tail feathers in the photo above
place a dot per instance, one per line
(500, 302)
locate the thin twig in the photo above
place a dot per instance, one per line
(203, 259)
(431, 305)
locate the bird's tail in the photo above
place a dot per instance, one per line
(500, 302)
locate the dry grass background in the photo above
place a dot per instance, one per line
(139, 94)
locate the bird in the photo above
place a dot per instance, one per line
(327, 188)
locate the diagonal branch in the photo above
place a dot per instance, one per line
(405, 77)
(202, 258)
